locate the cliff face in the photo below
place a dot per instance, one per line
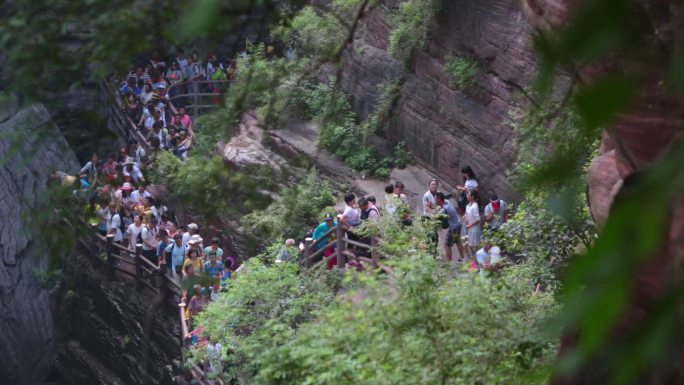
(444, 126)
(26, 334)
(99, 328)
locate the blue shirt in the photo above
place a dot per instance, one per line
(213, 271)
(177, 254)
(318, 232)
(161, 248)
(452, 216)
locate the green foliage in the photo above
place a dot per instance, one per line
(319, 34)
(262, 84)
(402, 156)
(426, 329)
(47, 279)
(340, 134)
(461, 70)
(199, 181)
(385, 104)
(289, 215)
(409, 27)
(264, 308)
(70, 294)
(545, 239)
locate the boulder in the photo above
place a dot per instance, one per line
(247, 148)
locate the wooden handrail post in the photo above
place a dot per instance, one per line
(138, 266)
(307, 252)
(110, 256)
(374, 252)
(341, 258)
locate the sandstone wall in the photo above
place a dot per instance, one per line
(445, 127)
(26, 337)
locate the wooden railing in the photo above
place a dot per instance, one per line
(118, 118)
(132, 263)
(341, 249)
(198, 97)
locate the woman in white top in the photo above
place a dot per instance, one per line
(429, 202)
(472, 221)
(469, 180)
(133, 231)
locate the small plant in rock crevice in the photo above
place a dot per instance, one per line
(461, 70)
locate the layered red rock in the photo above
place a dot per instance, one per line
(444, 126)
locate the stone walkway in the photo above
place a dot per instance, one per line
(303, 136)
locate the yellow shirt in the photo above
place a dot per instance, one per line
(197, 263)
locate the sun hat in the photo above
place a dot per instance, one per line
(129, 160)
(192, 226)
(126, 187)
(195, 239)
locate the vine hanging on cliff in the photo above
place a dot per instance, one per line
(410, 23)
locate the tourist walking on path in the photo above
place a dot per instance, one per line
(174, 254)
(453, 235)
(215, 248)
(114, 223)
(469, 180)
(496, 212)
(429, 202)
(135, 232)
(149, 241)
(326, 243)
(472, 221)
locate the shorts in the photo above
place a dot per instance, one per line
(453, 236)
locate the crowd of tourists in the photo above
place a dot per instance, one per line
(151, 96)
(125, 210)
(459, 225)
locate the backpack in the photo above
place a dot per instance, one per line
(462, 201)
(364, 214)
(197, 68)
(444, 219)
(139, 238)
(122, 225)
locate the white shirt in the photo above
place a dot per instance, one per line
(114, 222)
(162, 137)
(89, 169)
(182, 64)
(494, 255)
(158, 211)
(429, 197)
(149, 235)
(133, 232)
(135, 195)
(497, 220)
(139, 154)
(353, 215)
(472, 213)
(471, 184)
(391, 203)
(373, 213)
(136, 175)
